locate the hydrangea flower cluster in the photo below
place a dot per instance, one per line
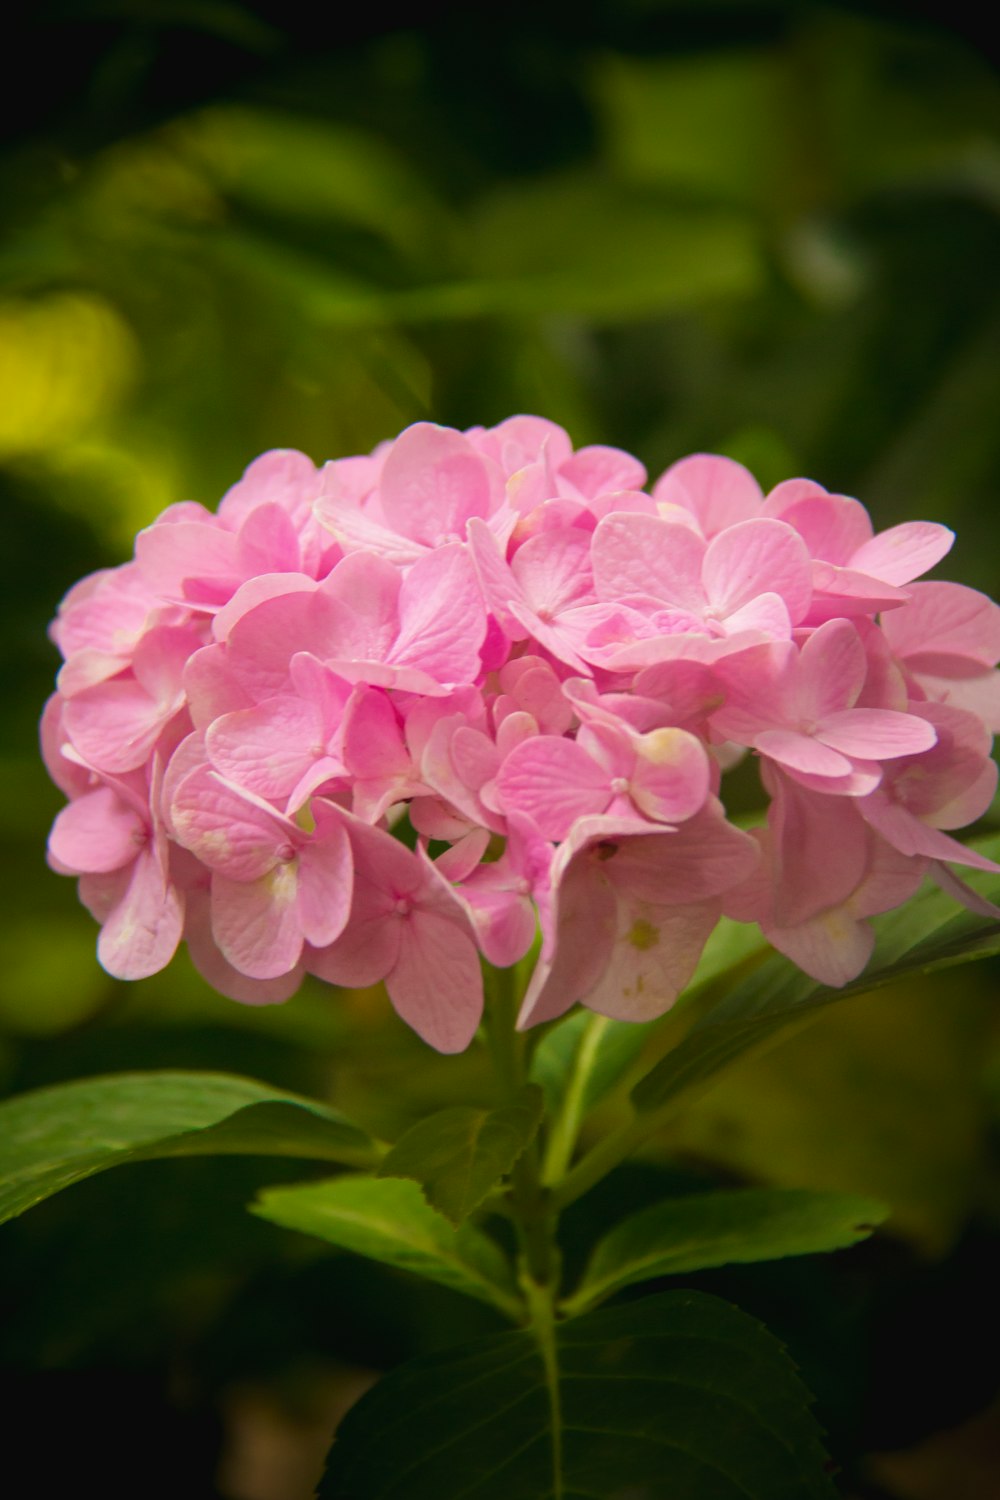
(538, 672)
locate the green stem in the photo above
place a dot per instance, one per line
(541, 1305)
(528, 1201)
(566, 1126)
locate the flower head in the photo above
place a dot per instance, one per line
(542, 670)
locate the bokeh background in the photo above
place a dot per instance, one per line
(766, 229)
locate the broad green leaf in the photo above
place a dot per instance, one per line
(388, 1220)
(717, 1229)
(456, 1155)
(927, 933)
(675, 1397)
(56, 1136)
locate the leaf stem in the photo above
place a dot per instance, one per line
(566, 1125)
(541, 1305)
(529, 1202)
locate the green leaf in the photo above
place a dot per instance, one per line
(456, 1155)
(925, 934)
(675, 1397)
(57, 1136)
(388, 1220)
(717, 1229)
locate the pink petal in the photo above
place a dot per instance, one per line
(168, 556)
(646, 557)
(585, 918)
(433, 481)
(758, 557)
(671, 778)
(267, 585)
(219, 972)
(904, 552)
(229, 830)
(656, 951)
(912, 836)
(595, 470)
(442, 620)
(702, 858)
(767, 614)
(718, 491)
(212, 687)
(262, 642)
(553, 569)
(114, 726)
(360, 533)
(842, 593)
(256, 922)
(947, 620)
(372, 737)
(326, 875)
(366, 951)
(800, 752)
(268, 542)
(820, 851)
(833, 527)
(437, 984)
(876, 733)
(497, 582)
(97, 833)
(831, 948)
(369, 590)
(266, 748)
(554, 782)
(142, 932)
(282, 475)
(832, 670)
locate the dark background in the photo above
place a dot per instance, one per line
(769, 230)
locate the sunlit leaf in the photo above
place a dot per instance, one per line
(56, 1136)
(388, 1220)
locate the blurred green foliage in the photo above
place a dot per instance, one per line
(770, 230)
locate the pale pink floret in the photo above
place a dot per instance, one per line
(432, 483)
(855, 572)
(114, 839)
(948, 786)
(274, 886)
(796, 706)
(116, 723)
(716, 492)
(409, 929)
(947, 640)
(542, 593)
(834, 943)
(502, 896)
(754, 575)
(663, 775)
(286, 747)
(631, 913)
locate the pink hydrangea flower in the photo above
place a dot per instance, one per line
(542, 672)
